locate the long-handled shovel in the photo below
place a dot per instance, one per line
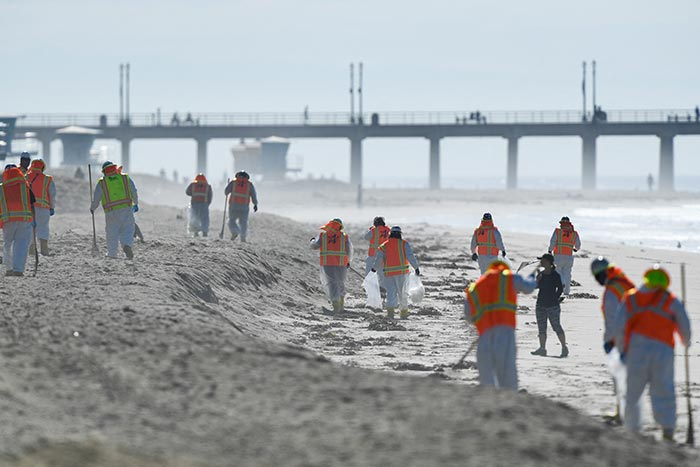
(690, 436)
(94, 231)
(223, 224)
(36, 249)
(466, 354)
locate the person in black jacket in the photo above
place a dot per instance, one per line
(548, 307)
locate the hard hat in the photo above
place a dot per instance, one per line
(396, 228)
(107, 164)
(499, 265)
(378, 221)
(25, 155)
(487, 216)
(12, 172)
(243, 174)
(38, 164)
(599, 265)
(565, 219)
(656, 278)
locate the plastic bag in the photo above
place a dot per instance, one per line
(371, 286)
(416, 291)
(618, 370)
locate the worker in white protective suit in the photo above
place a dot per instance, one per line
(394, 257)
(44, 190)
(486, 242)
(563, 244)
(490, 305)
(377, 234)
(16, 219)
(616, 285)
(242, 194)
(645, 325)
(119, 198)
(201, 195)
(335, 254)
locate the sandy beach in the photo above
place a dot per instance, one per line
(204, 352)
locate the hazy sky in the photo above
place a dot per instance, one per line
(264, 55)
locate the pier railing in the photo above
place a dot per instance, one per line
(457, 117)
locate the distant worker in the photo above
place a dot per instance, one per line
(564, 243)
(547, 307)
(242, 193)
(44, 190)
(616, 285)
(645, 326)
(16, 206)
(486, 242)
(119, 198)
(24, 160)
(79, 174)
(377, 234)
(650, 181)
(394, 256)
(200, 194)
(335, 254)
(490, 305)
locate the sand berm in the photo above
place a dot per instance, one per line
(187, 356)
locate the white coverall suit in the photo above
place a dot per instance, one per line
(564, 263)
(333, 277)
(496, 350)
(42, 215)
(17, 236)
(485, 260)
(369, 262)
(650, 361)
(119, 224)
(238, 213)
(396, 286)
(199, 211)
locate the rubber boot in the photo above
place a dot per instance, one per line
(336, 306)
(205, 234)
(234, 236)
(403, 314)
(668, 434)
(9, 272)
(44, 247)
(341, 305)
(32, 248)
(128, 252)
(390, 313)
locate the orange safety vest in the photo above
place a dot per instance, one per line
(199, 192)
(116, 192)
(395, 261)
(333, 251)
(617, 283)
(39, 184)
(486, 239)
(493, 300)
(566, 240)
(649, 314)
(241, 191)
(380, 234)
(15, 203)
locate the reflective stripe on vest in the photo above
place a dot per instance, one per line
(566, 241)
(395, 261)
(39, 185)
(116, 192)
(380, 234)
(241, 191)
(199, 192)
(486, 241)
(493, 300)
(333, 248)
(15, 203)
(650, 314)
(618, 284)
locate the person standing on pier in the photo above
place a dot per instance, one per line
(24, 161)
(564, 243)
(242, 194)
(377, 234)
(486, 242)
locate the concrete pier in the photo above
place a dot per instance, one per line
(355, 161)
(434, 181)
(126, 153)
(666, 163)
(512, 171)
(588, 168)
(202, 155)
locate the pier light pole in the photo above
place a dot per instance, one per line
(593, 71)
(121, 93)
(128, 91)
(352, 91)
(583, 91)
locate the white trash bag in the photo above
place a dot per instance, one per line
(371, 286)
(618, 370)
(416, 291)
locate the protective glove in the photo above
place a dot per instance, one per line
(608, 346)
(136, 208)
(52, 211)
(92, 211)
(622, 357)
(373, 270)
(475, 257)
(34, 224)
(255, 208)
(549, 251)
(417, 272)
(348, 266)
(504, 253)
